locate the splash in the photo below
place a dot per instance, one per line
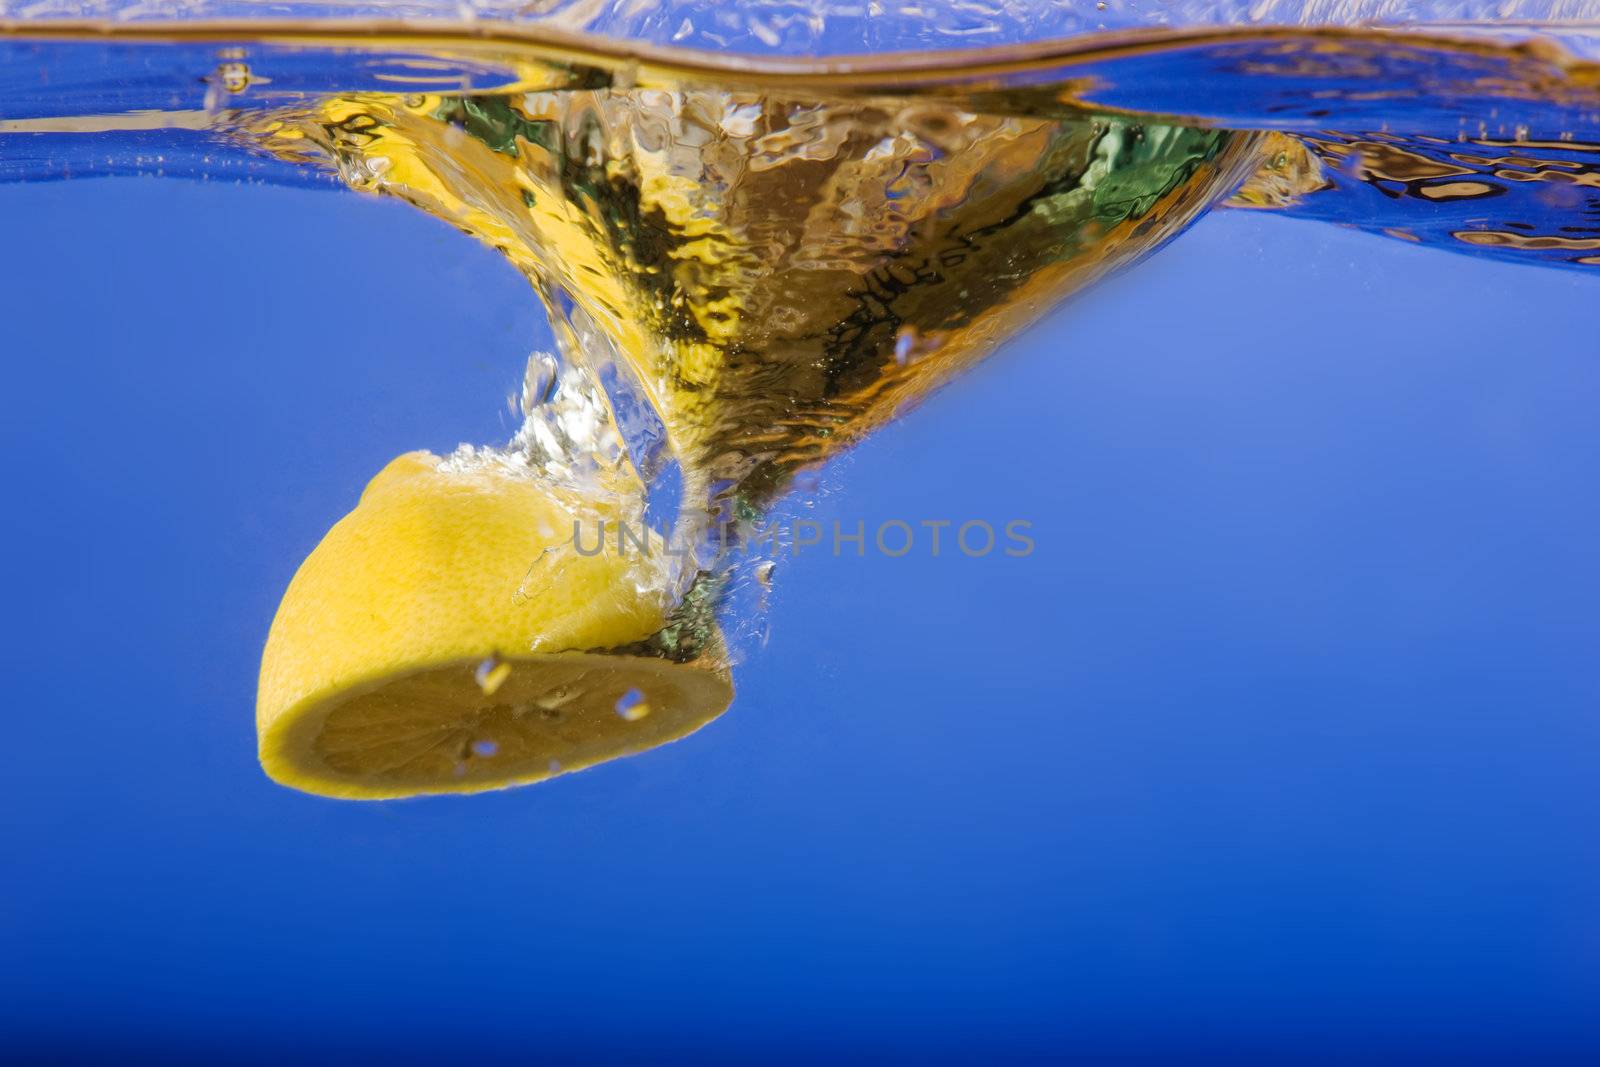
(750, 263)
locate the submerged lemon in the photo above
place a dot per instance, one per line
(442, 639)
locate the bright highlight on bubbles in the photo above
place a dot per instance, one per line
(751, 259)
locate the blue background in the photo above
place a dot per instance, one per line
(1282, 744)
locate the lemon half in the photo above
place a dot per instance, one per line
(443, 638)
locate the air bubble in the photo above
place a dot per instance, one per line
(539, 382)
(905, 343)
(555, 698)
(910, 344)
(632, 705)
(491, 674)
(229, 79)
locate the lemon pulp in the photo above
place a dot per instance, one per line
(436, 729)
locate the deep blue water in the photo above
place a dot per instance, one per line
(1280, 747)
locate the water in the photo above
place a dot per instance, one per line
(748, 270)
(1278, 734)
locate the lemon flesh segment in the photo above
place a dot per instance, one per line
(437, 729)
